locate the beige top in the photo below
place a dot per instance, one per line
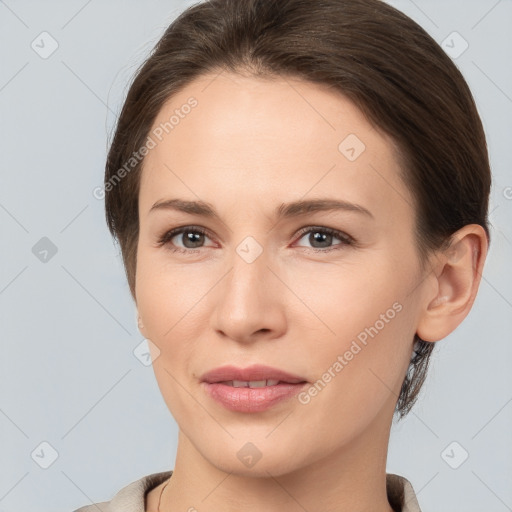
(131, 498)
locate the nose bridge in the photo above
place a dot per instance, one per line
(247, 300)
(248, 281)
(253, 250)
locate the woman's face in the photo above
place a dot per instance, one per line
(337, 308)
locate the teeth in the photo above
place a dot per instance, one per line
(251, 383)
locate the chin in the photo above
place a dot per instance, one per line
(257, 459)
(261, 469)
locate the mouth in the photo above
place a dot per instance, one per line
(253, 383)
(250, 390)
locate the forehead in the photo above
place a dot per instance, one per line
(271, 136)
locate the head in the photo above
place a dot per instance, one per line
(246, 106)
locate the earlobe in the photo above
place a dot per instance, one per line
(457, 275)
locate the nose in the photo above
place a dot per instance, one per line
(249, 301)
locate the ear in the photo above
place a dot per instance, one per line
(140, 324)
(456, 276)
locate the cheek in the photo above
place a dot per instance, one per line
(345, 298)
(358, 373)
(366, 321)
(162, 295)
(165, 300)
(169, 301)
(375, 340)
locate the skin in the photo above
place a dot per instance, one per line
(250, 145)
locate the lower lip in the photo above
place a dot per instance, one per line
(251, 399)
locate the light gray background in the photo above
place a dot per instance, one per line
(68, 373)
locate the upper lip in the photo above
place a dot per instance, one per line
(251, 373)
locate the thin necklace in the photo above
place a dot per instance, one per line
(161, 492)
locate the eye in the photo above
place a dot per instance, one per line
(191, 236)
(321, 238)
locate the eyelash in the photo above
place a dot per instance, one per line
(345, 239)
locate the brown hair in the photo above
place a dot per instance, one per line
(375, 55)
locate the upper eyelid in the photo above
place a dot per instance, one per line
(335, 232)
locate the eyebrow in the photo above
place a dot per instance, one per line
(283, 211)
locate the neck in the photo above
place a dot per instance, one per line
(351, 478)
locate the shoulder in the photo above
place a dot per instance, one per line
(97, 507)
(130, 498)
(401, 495)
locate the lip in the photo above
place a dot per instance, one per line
(250, 400)
(254, 372)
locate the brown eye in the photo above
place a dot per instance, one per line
(190, 237)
